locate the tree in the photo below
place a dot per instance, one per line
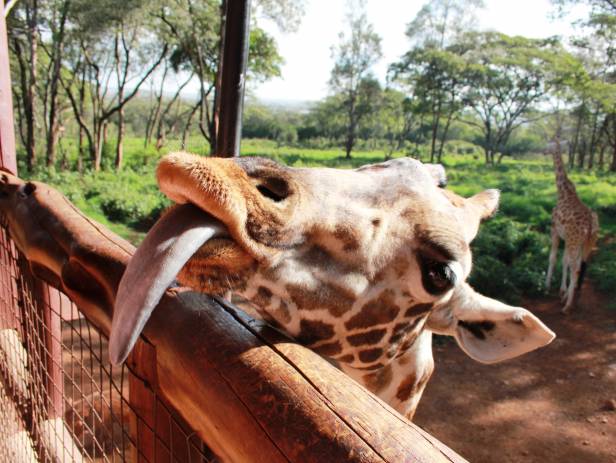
(351, 76)
(194, 30)
(505, 77)
(439, 23)
(592, 99)
(112, 52)
(429, 70)
(435, 79)
(24, 40)
(56, 21)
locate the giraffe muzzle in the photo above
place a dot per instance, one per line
(165, 250)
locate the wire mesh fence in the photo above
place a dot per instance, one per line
(60, 398)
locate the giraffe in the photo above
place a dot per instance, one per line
(361, 266)
(576, 224)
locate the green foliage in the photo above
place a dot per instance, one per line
(510, 252)
(510, 259)
(602, 268)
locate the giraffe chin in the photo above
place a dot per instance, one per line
(165, 250)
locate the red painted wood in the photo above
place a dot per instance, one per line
(7, 128)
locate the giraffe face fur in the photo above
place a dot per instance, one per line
(340, 259)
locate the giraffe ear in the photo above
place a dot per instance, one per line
(488, 330)
(485, 203)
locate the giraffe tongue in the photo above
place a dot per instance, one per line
(162, 254)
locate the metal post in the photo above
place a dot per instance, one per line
(233, 77)
(7, 130)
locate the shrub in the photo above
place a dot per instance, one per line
(510, 260)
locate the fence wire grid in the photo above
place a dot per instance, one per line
(60, 398)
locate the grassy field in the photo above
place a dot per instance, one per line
(511, 251)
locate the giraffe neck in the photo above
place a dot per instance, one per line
(564, 186)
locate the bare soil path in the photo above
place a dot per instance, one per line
(552, 405)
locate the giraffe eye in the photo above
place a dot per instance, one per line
(437, 277)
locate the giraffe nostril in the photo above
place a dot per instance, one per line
(269, 193)
(273, 188)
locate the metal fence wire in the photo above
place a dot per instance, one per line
(60, 398)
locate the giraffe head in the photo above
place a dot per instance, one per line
(350, 262)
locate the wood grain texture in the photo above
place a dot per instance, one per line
(249, 392)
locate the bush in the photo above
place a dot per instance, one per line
(602, 267)
(138, 211)
(510, 260)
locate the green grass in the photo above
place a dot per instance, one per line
(511, 250)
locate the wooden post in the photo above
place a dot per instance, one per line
(142, 367)
(233, 77)
(51, 332)
(7, 131)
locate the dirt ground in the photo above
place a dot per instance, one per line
(546, 406)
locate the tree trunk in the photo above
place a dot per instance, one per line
(186, 131)
(443, 138)
(56, 57)
(33, 39)
(119, 148)
(97, 146)
(153, 120)
(602, 157)
(613, 164)
(350, 141)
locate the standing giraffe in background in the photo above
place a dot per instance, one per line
(576, 224)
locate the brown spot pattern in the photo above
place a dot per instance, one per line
(369, 337)
(312, 331)
(378, 380)
(418, 309)
(283, 312)
(348, 238)
(329, 349)
(407, 388)
(348, 358)
(399, 330)
(335, 299)
(400, 266)
(370, 355)
(263, 298)
(375, 312)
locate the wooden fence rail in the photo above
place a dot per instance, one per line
(250, 393)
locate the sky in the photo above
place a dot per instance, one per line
(307, 52)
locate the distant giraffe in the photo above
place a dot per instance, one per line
(576, 224)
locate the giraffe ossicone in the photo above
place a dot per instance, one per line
(362, 265)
